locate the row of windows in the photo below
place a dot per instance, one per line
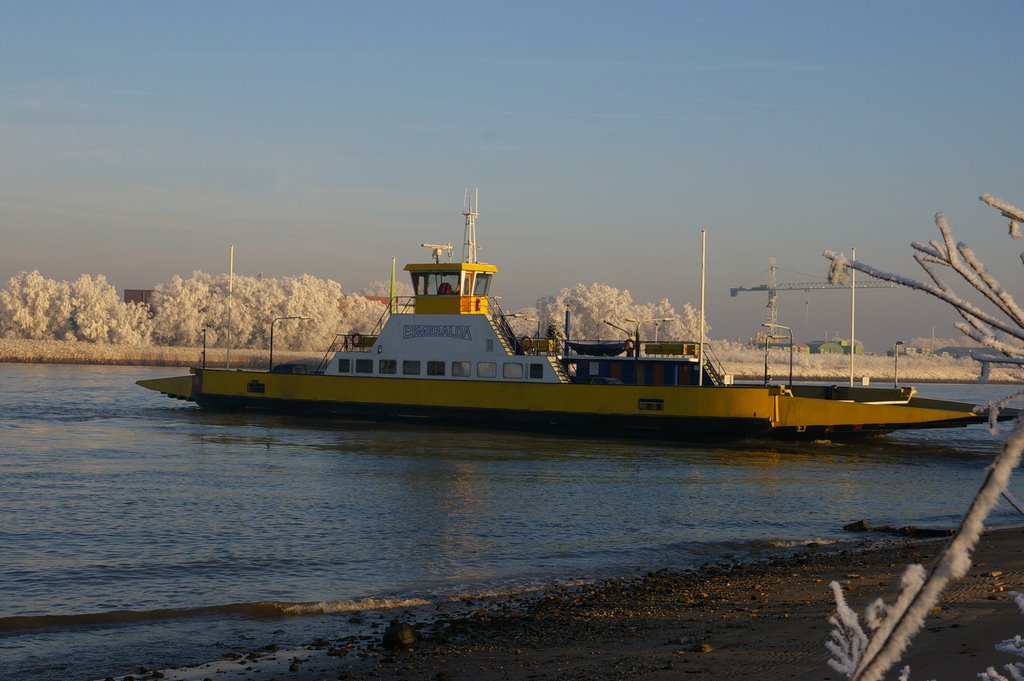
(413, 367)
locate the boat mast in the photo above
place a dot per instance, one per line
(231, 288)
(471, 204)
(700, 361)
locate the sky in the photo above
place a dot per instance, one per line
(140, 140)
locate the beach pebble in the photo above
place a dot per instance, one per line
(399, 634)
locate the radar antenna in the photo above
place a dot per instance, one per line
(438, 249)
(471, 204)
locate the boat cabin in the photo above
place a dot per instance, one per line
(452, 287)
(634, 371)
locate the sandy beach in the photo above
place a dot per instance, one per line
(765, 620)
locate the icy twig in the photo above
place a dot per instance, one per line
(848, 640)
(943, 295)
(908, 613)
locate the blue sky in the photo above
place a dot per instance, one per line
(141, 139)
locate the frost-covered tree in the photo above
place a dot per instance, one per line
(184, 307)
(526, 321)
(95, 309)
(181, 310)
(319, 301)
(997, 322)
(591, 306)
(35, 308)
(382, 289)
(133, 326)
(360, 314)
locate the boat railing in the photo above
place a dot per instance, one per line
(504, 327)
(347, 342)
(653, 349)
(713, 366)
(397, 305)
(335, 346)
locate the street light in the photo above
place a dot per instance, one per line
(769, 325)
(523, 315)
(657, 321)
(276, 320)
(657, 325)
(896, 364)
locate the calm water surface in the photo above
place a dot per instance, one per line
(138, 530)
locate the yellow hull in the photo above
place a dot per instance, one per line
(664, 411)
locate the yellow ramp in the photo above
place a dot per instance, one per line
(176, 386)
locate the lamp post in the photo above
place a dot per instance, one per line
(767, 340)
(276, 320)
(657, 321)
(657, 325)
(896, 364)
(523, 315)
(772, 327)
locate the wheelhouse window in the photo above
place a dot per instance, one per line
(536, 371)
(512, 370)
(486, 369)
(437, 283)
(344, 365)
(482, 284)
(460, 368)
(411, 367)
(387, 366)
(364, 366)
(435, 368)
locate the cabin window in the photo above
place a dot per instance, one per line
(411, 367)
(387, 366)
(512, 370)
(460, 368)
(344, 365)
(435, 368)
(442, 283)
(364, 366)
(536, 371)
(486, 369)
(482, 283)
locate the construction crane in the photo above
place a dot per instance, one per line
(773, 287)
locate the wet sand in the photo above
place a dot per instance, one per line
(764, 620)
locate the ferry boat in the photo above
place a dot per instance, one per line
(449, 356)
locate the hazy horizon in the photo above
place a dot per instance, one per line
(140, 141)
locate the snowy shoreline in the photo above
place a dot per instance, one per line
(77, 352)
(744, 365)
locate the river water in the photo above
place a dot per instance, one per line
(139, 530)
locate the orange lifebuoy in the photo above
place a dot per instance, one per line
(357, 340)
(526, 343)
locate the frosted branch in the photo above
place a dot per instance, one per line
(909, 612)
(848, 640)
(1015, 215)
(943, 295)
